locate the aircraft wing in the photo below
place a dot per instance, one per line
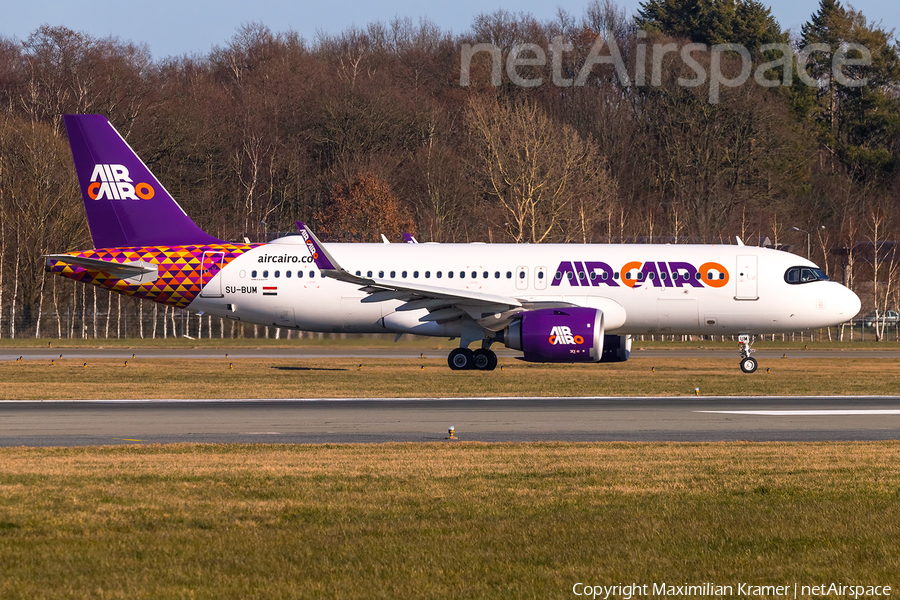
(136, 271)
(491, 311)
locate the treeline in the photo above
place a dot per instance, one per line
(588, 128)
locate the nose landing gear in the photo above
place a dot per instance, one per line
(748, 364)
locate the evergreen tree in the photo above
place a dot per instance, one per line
(745, 22)
(857, 114)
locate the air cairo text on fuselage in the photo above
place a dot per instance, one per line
(634, 274)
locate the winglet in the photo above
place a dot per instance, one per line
(325, 262)
(323, 259)
(409, 239)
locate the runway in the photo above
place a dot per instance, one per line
(703, 419)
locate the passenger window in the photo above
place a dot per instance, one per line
(522, 275)
(253, 274)
(427, 274)
(651, 275)
(393, 274)
(312, 274)
(415, 274)
(277, 273)
(300, 274)
(243, 274)
(403, 274)
(485, 274)
(369, 274)
(358, 274)
(496, 274)
(540, 274)
(265, 274)
(449, 274)
(558, 276)
(380, 274)
(604, 276)
(570, 276)
(287, 274)
(663, 275)
(509, 274)
(616, 275)
(438, 274)
(474, 274)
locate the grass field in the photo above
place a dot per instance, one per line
(452, 520)
(383, 377)
(448, 520)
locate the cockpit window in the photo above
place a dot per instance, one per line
(796, 275)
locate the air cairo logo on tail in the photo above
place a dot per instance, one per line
(111, 182)
(562, 336)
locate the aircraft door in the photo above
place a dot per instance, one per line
(746, 280)
(521, 278)
(210, 266)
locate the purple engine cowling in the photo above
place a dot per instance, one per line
(570, 334)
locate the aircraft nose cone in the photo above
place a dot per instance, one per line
(849, 305)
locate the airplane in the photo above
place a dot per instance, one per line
(562, 303)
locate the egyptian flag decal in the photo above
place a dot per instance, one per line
(270, 290)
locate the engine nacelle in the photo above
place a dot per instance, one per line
(570, 334)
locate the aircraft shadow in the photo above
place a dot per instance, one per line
(305, 369)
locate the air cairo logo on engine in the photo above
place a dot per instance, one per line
(111, 182)
(562, 336)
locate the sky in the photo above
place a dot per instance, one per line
(179, 27)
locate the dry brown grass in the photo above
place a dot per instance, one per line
(343, 377)
(460, 520)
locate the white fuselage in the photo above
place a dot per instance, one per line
(641, 289)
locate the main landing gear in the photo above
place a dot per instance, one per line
(482, 359)
(748, 364)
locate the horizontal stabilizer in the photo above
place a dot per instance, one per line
(132, 272)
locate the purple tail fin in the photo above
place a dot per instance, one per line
(126, 205)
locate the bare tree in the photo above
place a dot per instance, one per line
(544, 177)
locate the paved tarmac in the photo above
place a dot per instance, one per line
(702, 419)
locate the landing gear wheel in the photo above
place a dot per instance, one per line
(461, 359)
(485, 360)
(748, 365)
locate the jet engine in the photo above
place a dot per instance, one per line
(570, 334)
